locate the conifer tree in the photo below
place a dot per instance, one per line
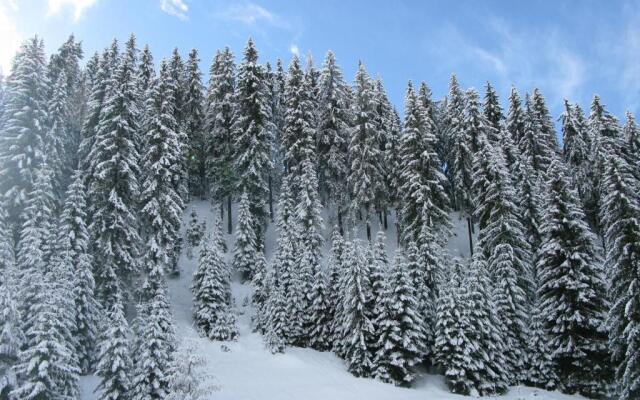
(194, 123)
(547, 129)
(177, 73)
(11, 335)
(220, 119)
(57, 134)
(365, 170)
(572, 291)
(619, 212)
(186, 375)
(399, 344)
(533, 143)
(515, 117)
(115, 366)
(335, 280)
(358, 321)
(459, 151)
(417, 272)
(260, 292)
(253, 141)
(493, 114)
(421, 180)
(114, 188)
(275, 315)
(308, 214)
(211, 293)
(161, 202)
(631, 136)
(245, 247)
(334, 118)
(22, 141)
(541, 372)
(576, 146)
(320, 335)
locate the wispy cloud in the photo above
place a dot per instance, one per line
(54, 7)
(176, 8)
(10, 38)
(252, 14)
(294, 50)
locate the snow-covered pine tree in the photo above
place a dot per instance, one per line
(335, 281)
(541, 372)
(533, 143)
(365, 170)
(619, 216)
(275, 315)
(57, 134)
(194, 125)
(195, 231)
(515, 117)
(320, 335)
(309, 214)
(161, 201)
(400, 328)
(220, 118)
(114, 187)
(177, 73)
(604, 135)
(211, 295)
(11, 335)
(156, 346)
(245, 246)
(529, 188)
(260, 291)
(253, 139)
(421, 180)
(631, 137)
(547, 131)
(572, 291)
(74, 250)
(115, 366)
(493, 114)
(417, 272)
(576, 146)
(334, 118)
(384, 121)
(186, 375)
(146, 73)
(25, 121)
(378, 262)
(459, 152)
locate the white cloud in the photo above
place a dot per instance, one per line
(177, 8)
(252, 14)
(294, 50)
(10, 38)
(79, 6)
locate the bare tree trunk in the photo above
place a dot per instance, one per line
(270, 197)
(229, 225)
(470, 226)
(385, 223)
(340, 226)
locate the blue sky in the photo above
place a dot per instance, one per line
(569, 49)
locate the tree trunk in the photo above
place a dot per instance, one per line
(340, 227)
(221, 212)
(385, 223)
(470, 226)
(271, 197)
(229, 225)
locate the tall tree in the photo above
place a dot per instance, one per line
(194, 122)
(576, 146)
(493, 114)
(220, 118)
(459, 152)
(245, 247)
(572, 291)
(253, 143)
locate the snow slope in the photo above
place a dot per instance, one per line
(249, 372)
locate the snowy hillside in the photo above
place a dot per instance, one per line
(248, 371)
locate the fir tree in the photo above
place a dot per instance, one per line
(365, 171)
(220, 118)
(260, 291)
(57, 135)
(186, 375)
(576, 147)
(275, 315)
(194, 117)
(619, 212)
(115, 366)
(493, 114)
(25, 120)
(161, 201)
(335, 280)
(320, 335)
(572, 291)
(541, 368)
(253, 140)
(515, 117)
(245, 247)
(459, 152)
(211, 295)
(399, 345)
(533, 143)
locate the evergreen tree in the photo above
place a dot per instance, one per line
(631, 136)
(358, 321)
(220, 119)
(253, 141)
(365, 171)
(260, 292)
(114, 187)
(515, 117)
(186, 375)
(25, 121)
(493, 114)
(459, 152)
(421, 180)
(334, 117)
(245, 247)
(161, 203)
(619, 215)
(320, 335)
(194, 117)
(576, 146)
(572, 291)
(399, 345)
(211, 295)
(547, 129)
(115, 366)
(533, 143)
(335, 280)
(57, 135)
(177, 73)
(275, 315)
(541, 368)
(309, 214)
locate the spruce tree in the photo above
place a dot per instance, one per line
(572, 291)
(260, 291)
(515, 117)
(533, 143)
(459, 153)
(541, 372)
(275, 315)
(161, 201)
(57, 134)
(365, 170)
(576, 146)
(115, 366)
(211, 293)
(619, 215)
(220, 118)
(194, 124)
(335, 281)
(320, 335)
(114, 187)
(309, 214)
(245, 247)
(493, 114)
(253, 140)
(25, 120)
(399, 343)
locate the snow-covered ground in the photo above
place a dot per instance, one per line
(247, 371)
